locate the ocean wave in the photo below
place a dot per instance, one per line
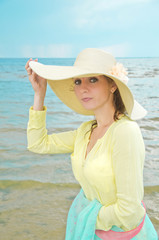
(27, 184)
(156, 119)
(13, 129)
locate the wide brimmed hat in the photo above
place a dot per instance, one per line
(90, 62)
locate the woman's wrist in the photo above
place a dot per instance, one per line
(38, 102)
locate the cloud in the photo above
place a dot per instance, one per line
(92, 6)
(60, 50)
(93, 12)
(118, 50)
(52, 50)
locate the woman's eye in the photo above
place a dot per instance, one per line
(77, 82)
(93, 79)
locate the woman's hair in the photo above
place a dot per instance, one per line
(117, 101)
(118, 105)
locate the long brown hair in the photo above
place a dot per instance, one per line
(117, 101)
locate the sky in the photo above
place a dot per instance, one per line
(63, 28)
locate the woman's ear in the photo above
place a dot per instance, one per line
(113, 87)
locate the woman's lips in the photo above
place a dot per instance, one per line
(86, 99)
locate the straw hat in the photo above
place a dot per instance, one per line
(90, 62)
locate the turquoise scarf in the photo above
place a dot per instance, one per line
(81, 223)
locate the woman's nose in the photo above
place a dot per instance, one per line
(83, 87)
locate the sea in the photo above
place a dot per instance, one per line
(36, 190)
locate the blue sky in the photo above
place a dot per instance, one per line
(62, 28)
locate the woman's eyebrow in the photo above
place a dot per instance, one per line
(76, 78)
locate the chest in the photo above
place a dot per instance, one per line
(95, 135)
(96, 169)
(94, 151)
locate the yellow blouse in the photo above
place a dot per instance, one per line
(112, 172)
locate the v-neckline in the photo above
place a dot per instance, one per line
(86, 146)
(86, 155)
(99, 139)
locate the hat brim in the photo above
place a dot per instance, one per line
(60, 79)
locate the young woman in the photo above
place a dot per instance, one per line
(107, 153)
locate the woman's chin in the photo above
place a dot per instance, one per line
(87, 107)
(92, 109)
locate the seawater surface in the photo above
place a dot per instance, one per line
(36, 191)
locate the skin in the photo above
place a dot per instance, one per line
(39, 86)
(94, 93)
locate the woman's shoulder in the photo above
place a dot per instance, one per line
(126, 126)
(125, 120)
(126, 133)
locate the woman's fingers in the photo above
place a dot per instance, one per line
(27, 64)
(28, 69)
(39, 84)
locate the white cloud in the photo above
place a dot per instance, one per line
(60, 50)
(92, 6)
(27, 51)
(52, 50)
(2, 52)
(118, 50)
(90, 12)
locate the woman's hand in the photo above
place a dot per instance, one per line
(39, 86)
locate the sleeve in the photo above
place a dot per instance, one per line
(128, 153)
(40, 142)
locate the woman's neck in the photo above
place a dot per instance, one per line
(105, 117)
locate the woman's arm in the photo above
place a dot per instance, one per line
(40, 142)
(128, 155)
(38, 139)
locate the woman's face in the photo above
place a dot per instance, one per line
(94, 92)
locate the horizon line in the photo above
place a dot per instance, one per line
(68, 57)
